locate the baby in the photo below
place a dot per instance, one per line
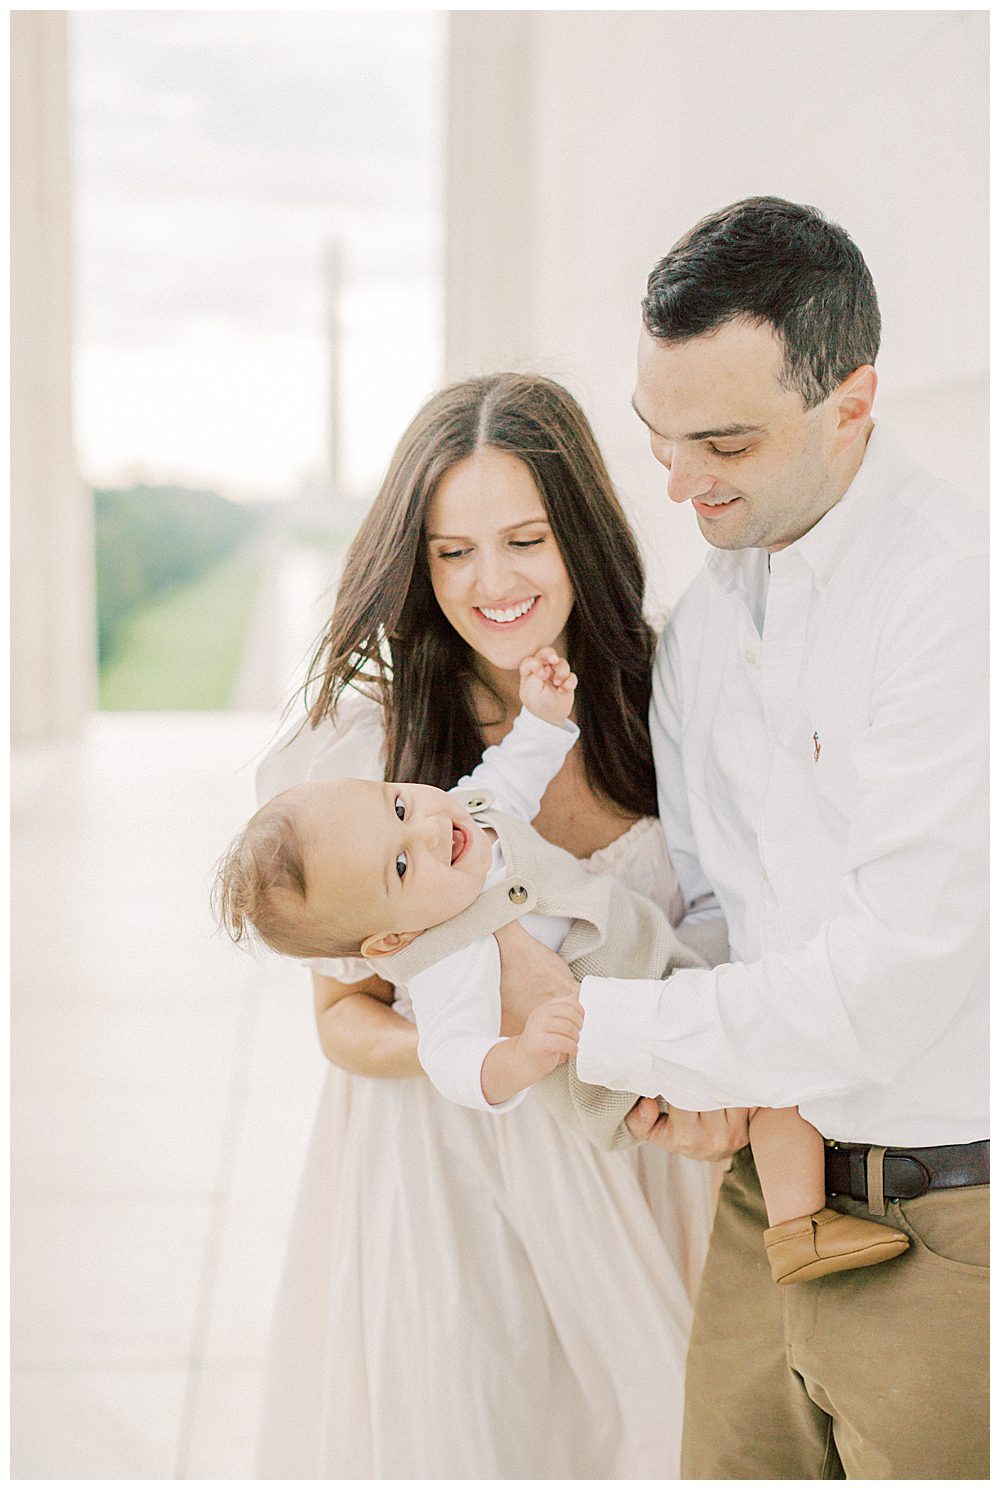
(416, 880)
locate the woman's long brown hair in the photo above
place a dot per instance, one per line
(388, 635)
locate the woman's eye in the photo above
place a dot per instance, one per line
(401, 865)
(400, 807)
(526, 542)
(452, 553)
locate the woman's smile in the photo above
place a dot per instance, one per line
(507, 616)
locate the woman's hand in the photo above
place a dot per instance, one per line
(696, 1135)
(360, 1032)
(530, 974)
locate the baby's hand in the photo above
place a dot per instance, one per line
(551, 1035)
(547, 686)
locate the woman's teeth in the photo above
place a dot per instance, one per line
(513, 613)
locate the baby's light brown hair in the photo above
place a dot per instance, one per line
(261, 888)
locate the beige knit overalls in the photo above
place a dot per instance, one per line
(615, 933)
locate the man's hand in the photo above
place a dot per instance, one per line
(696, 1135)
(530, 974)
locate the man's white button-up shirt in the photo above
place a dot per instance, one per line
(823, 784)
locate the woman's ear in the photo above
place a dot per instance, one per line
(387, 943)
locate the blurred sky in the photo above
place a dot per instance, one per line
(215, 152)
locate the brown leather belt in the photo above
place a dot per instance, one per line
(907, 1173)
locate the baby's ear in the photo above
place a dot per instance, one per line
(388, 943)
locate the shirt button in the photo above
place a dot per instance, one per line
(750, 655)
(517, 894)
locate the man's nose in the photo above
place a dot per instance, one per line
(686, 479)
(686, 476)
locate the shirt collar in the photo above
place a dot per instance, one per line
(737, 571)
(825, 544)
(821, 549)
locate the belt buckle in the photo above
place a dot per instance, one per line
(831, 1143)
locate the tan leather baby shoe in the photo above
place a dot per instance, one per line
(828, 1242)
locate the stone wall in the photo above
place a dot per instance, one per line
(582, 144)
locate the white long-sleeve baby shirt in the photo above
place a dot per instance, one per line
(456, 1003)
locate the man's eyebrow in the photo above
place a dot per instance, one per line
(526, 522)
(724, 432)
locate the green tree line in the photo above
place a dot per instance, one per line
(152, 539)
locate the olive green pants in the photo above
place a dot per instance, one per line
(874, 1374)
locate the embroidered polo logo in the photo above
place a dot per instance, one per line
(817, 747)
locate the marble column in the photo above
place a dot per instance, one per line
(53, 670)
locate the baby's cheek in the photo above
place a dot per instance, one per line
(467, 891)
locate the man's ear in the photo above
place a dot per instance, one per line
(387, 943)
(854, 399)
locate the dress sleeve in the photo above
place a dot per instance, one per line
(351, 744)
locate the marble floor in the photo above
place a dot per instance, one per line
(164, 1083)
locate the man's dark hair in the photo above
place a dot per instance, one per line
(779, 264)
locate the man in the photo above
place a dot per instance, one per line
(818, 724)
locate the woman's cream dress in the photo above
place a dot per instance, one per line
(469, 1296)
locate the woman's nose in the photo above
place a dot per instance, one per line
(493, 574)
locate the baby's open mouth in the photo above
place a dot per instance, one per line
(459, 842)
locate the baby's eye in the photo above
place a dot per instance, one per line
(400, 807)
(401, 865)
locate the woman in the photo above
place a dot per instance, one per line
(467, 1295)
